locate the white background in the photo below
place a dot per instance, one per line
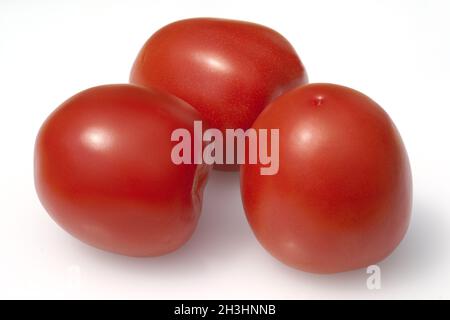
(397, 52)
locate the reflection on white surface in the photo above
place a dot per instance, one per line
(97, 139)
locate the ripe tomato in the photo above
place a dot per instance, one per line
(228, 70)
(103, 170)
(342, 197)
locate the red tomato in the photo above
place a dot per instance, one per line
(103, 170)
(228, 70)
(342, 197)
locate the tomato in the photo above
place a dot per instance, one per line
(228, 70)
(342, 197)
(104, 173)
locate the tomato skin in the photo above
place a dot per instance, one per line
(103, 170)
(228, 70)
(342, 197)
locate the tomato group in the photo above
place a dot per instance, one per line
(104, 173)
(340, 192)
(342, 197)
(228, 70)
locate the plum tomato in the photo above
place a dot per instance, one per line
(341, 199)
(228, 70)
(103, 170)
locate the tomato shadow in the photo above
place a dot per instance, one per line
(417, 256)
(223, 230)
(420, 253)
(222, 234)
(224, 243)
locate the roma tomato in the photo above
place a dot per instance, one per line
(103, 170)
(342, 197)
(228, 70)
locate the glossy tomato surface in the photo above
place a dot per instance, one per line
(342, 197)
(104, 173)
(228, 70)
